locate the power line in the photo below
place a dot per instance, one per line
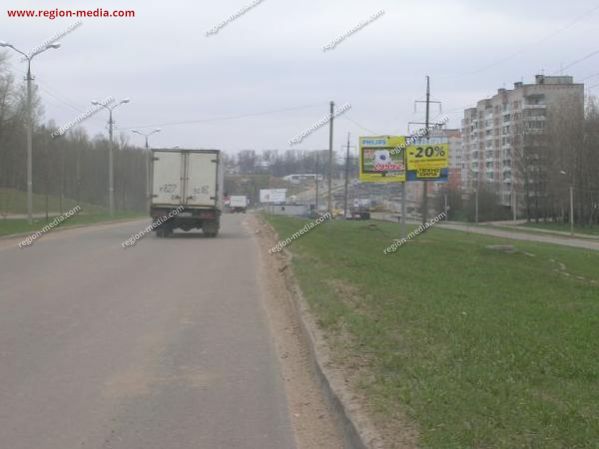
(65, 101)
(589, 77)
(590, 55)
(527, 47)
(360, 126)
(217, 119)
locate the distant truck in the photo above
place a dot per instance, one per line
(238, 203)
(361, 209)
(187, 189)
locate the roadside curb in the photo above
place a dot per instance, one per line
(68, 228)
(354, 436)
(357, 430)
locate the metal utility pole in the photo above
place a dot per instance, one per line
(317, 169)
(571, 209)
(110, 151)
(427, 135)
(330, 197)
(476, 205)
(47, 156)
(564, 173)
(148, 164)
(404, 229)
(426, 127)
(346, 176)
(111, 166)
(29, 79)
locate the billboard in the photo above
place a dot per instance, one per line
(382, 159)
(428, 160)
(273, 195)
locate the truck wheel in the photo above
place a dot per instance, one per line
(210, 229)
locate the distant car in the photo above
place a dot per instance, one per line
(358, 215)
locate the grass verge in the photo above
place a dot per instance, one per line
(11, 226)
(480, 348)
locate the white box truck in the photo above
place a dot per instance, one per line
(187, 189)
(238, 203)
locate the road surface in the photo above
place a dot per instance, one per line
(165, 345)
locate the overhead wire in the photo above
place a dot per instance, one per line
(223, 118)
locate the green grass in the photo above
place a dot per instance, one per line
(15, 202)
(17, 226)
(481, 349)
(562, 228)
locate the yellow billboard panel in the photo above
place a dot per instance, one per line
(382, 159)
(428, 161)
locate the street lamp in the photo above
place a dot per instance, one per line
(110, 151)
(148, 157)
(563, 173)
(29, 79)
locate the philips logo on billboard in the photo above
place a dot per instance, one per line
(374, 142)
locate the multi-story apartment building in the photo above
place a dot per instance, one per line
(458, 170)
(497, 131)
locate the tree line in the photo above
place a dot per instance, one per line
(71, 166)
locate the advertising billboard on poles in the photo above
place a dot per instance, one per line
(382, 159)
(273, 195)
(428, 160)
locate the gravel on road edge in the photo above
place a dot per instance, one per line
(357, 429)
(315, 425)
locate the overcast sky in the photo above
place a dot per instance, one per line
(271, 59)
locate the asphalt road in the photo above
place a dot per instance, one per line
(164, 345)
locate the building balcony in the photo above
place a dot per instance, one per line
(534, 106)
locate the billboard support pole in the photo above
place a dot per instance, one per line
(445, 207)
(404, 231)
(346, 177)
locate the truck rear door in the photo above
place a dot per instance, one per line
(167, 178)
(201, 179)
